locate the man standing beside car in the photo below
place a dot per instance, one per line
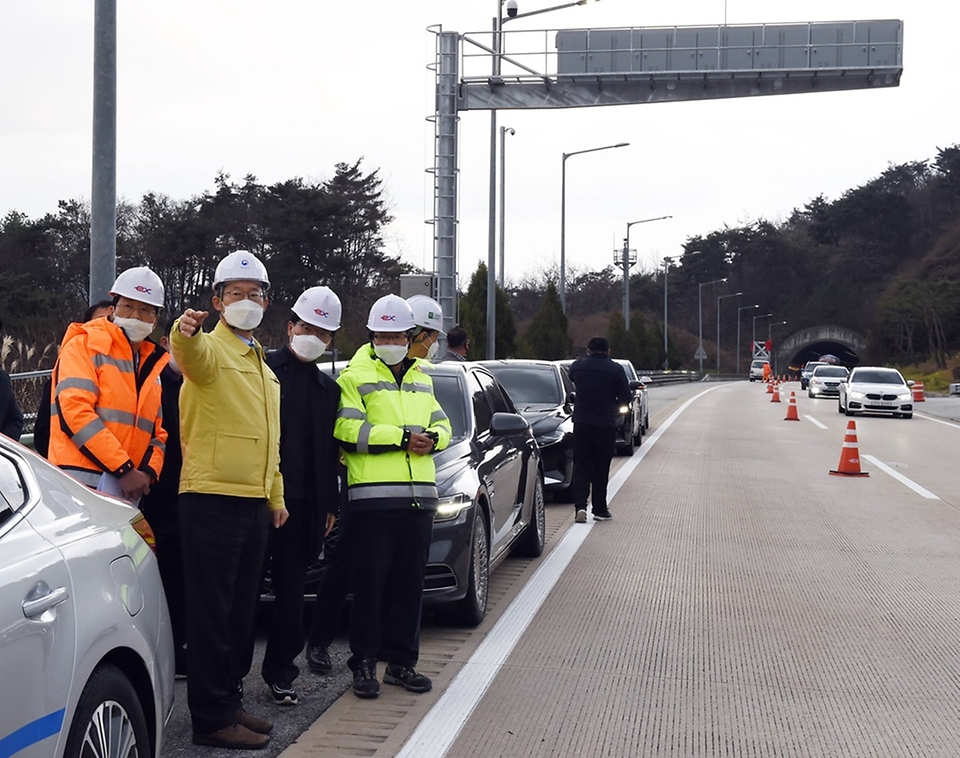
(308, 461)
(602, 388)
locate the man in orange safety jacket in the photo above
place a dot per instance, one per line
(105, 402)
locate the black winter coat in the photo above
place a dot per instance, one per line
(602, 388)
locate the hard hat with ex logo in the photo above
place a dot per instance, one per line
(426, 312)
(390, 313)
(320, 307)
(139, 284)
(241, 265)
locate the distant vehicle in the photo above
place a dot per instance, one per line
(807, 369)
(86, 648)
(876, 390)
(756, 369)
(544, 395)
(635, 416)
(825, 381)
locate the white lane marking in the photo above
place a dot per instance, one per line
(812, 420)
(938, 420)
(440, 727)
(900, 477)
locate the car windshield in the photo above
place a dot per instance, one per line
(628, 370)
(529, 385)
(878, 376)
(449, 394)
(757, 364)
(810, 367)
(831, 371)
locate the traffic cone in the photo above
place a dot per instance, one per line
(792, 409)
(918, 392)
(769, 386)
(776, 393)
(850, 454)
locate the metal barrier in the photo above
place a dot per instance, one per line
(27, 388)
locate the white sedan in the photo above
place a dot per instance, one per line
(86, 650)
(872, 389)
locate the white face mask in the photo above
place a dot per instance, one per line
(307, 347)
(244, 315)
(135, 329)
(432, 351)
(390, 354)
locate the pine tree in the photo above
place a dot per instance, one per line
(548, 335)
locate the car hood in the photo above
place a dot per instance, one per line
(881, 389)
(543, 420)
(450, 463)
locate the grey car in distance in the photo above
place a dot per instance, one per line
(86, 650)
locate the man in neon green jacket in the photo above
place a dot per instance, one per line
(231, 493)
(388, 424)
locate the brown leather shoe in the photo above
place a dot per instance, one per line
(233, 737)
(254, 723)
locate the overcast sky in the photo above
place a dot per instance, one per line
(291, 87)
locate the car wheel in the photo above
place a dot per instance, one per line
(646, 422)
(109, 722)
(809, 394)
(638, 437)
(839, 405)
(848, 411)
(534, 536)
(908, 415)
(471, 610)
(628, 448)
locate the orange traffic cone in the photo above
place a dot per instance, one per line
(918, 392)
(776, 393)
(792, 409)
(850, 454)
(769, 386)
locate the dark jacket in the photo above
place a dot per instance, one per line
(41, 424)
(602, 388)
(308, 452)
(11, 417)
(164, 492)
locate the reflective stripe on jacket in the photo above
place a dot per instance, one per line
(229, 417)
(375, 414)
(105, 415)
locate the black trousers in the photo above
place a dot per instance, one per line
(593, 449)
(224, 543)
(393, 547)
(335, 585)
(289, 557)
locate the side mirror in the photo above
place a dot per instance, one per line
(635, 385)
(646, 380)
(508, 424)
(571, 397)
(910, 382)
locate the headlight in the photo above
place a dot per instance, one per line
(624, 410)
(905, 397)
(856, 394)
(450, 507)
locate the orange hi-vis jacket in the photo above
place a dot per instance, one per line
(105, 414)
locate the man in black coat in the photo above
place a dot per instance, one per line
(602, 388)
(308, 461)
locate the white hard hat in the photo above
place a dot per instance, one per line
(426, 312)
(241, 265)
(319, 306)
(139, 284)
(390, 313)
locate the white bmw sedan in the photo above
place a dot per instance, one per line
(86, 650)
(872, 389)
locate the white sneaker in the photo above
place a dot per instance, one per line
(581, 517)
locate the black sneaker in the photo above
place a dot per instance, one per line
(284, 694)
(365, 682)
(318, 659)
(410, 679)
(602, 516)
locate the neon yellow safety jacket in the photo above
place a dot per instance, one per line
(374, 423)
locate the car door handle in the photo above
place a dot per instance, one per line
(39, 606)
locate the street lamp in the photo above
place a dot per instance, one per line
(627, 262)
(667, 260)
(491, 251)
(504, 131)
(739, 318)
(563, 214)
(719, 298)
(770, 326)
(701, 353)
(753, 345)
(513, 13)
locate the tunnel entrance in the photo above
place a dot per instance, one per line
(813, 343)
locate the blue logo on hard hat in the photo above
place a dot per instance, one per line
(244, 262)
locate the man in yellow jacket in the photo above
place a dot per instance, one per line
(231, 493)
(388, 424)
(105, 399)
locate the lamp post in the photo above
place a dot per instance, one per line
(770, 326)
(753, 344)
(627, 262)
(504, 131)
(563, 215)
(740, 310)
(700, 351)
(719, 298)
(667, 260)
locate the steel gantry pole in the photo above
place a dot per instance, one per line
(626, 267)
(563, 213)
(504, 131)
(103, 196)
(700, 350)
(719, 298)
(740, 310)
(773, 361)
(753, 344)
